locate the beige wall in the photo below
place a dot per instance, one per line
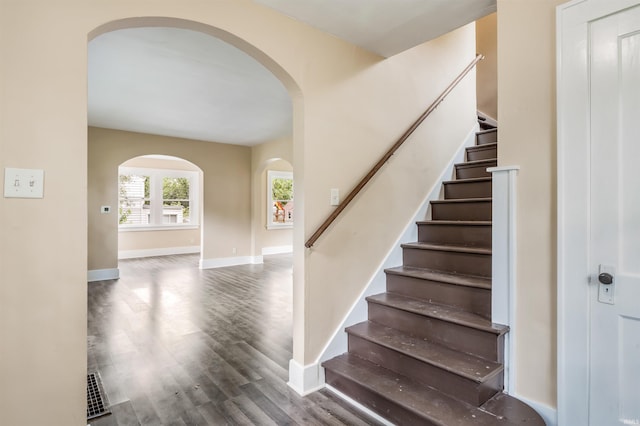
(344, 260)
(226, 218)
(487, 74)
(349, 106)
(526, 70)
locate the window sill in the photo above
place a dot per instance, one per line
(156, 228)
(285, 226)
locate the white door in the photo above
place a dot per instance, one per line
(614, 242)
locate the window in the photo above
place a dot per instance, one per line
(279, 199)
(157, 198)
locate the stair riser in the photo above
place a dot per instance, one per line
(476, 210)
(471, 299)
(447, 261)
(468, 235)
(458, 337)
(467, 190)
(487, 137)
(376, 403)
(481, 153)
(457, 386)
(476, 171)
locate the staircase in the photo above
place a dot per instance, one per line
(429, 353)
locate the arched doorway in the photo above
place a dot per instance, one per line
(195, 157)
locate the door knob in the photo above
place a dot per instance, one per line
(605, 278)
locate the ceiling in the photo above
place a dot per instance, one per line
(181, 83)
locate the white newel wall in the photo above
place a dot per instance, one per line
(503, 265)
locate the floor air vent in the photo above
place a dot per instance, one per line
(97, 402)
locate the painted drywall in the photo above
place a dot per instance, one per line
(487, 73)
(349, 106)
(343, 260)
(527, 109)
(225, 216)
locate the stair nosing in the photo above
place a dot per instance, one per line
(455, 222)
(494, 367)
(475, 163)
(439, 312)
(447, 247)
(462, 280)
(468, 180)
(484, 146)
(482, 132)
(463, 200)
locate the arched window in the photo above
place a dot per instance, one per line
(157, 198)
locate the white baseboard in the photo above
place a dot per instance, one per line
(165, 251)
(359, 406)
(305, 379)
(277, 250)
(377, 284)
(221, 262)
(103, 274)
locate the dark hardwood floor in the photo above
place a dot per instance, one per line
(176, 345)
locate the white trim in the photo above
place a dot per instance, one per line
(103, 274)
(147, 228)
(548, 414)
(305, 379)
(164, 251)
(155, 188)
(221, 262)
(359, 406)
(377, 284)
(573, 171)
(277, 250)
(503, 263)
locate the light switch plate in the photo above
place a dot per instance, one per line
(23, 183)
(334, 199)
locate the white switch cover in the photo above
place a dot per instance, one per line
(335, 197)
(23, 183)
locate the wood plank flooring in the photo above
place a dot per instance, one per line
(176, 345)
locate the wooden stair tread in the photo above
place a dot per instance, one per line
(462, 200)
(447, 247)
(467, 180)
(482, 132)
(440, 276)
(455, 222)
(490, 145)
(476, 163)
(512, 410)
(440, 312)
(425, 402)
(468, 366)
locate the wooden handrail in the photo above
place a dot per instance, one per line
(388, 154)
